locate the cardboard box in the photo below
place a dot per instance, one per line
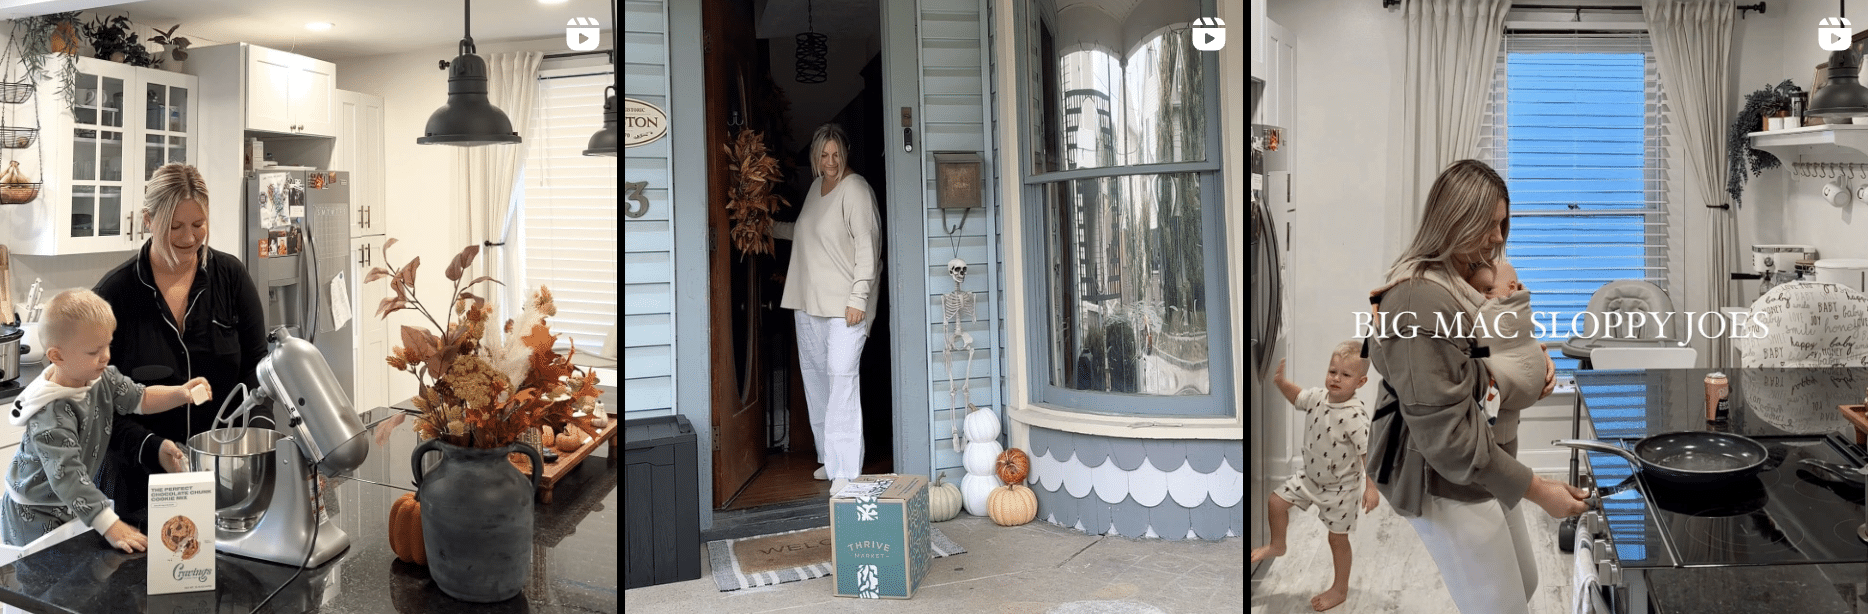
(879, 524)
(181, 532)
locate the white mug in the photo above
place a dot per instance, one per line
(1835, 193)
(1776, 123)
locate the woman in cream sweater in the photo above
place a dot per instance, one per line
(835, 262)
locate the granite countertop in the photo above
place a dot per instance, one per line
(573, 567)
(27, 373)
(1803, 589)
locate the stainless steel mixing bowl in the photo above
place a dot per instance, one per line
(244, 467)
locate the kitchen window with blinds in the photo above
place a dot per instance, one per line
(1575, 126)
(568, 228)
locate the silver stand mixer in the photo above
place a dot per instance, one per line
(264, 478)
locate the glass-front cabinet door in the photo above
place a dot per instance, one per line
(96, 217)
(123, 123)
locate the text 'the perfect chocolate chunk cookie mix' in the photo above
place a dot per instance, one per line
(181, 520)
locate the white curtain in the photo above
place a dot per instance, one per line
(1692, 44)
(1452, 49)
(490, 174)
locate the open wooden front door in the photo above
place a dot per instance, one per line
(738, 391)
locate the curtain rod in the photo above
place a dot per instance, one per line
(573, 54)
(1759, 7)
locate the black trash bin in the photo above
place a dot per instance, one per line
(661, 523)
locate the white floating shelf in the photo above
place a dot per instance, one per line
(1823, 139)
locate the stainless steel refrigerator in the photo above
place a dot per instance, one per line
(1267, 308)
(296, 236)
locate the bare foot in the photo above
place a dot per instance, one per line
(1330, 598)
(1266, 551)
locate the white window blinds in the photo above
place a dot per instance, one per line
(1575, 127)
(568, 229)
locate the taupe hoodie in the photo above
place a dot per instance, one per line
(1441, 445)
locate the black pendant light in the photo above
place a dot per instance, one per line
(812, 49)
(1843, 94)
(603, 143)
(468, 119)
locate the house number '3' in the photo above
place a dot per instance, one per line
(632, 191)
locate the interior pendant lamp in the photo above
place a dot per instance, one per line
(1843, 94)
(812, 49)
(468, 119)
(603, 143)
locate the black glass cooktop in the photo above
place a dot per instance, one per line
(1787, 514)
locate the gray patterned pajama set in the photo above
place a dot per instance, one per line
(67, 431)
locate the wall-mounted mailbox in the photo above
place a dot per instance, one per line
(957, 174)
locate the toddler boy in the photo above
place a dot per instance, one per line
(67, 412)
(1336, 441)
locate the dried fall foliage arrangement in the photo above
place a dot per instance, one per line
(750, 200)
(485, 393)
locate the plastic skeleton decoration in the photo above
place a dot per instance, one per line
(956, 305)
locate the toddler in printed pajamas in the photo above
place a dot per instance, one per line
(1336, 440)
(67, 414)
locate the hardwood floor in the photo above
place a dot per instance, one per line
(787, 477)
(1391, 571)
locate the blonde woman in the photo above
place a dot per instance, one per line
(1435, 455)
(836, 258)
(184, 310)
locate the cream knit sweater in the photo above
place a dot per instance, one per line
(836, 250)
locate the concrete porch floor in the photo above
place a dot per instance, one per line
(1030, 569)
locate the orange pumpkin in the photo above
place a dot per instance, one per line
(405, 530)
(1013, 465)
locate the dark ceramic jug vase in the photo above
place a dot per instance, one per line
(476, 519)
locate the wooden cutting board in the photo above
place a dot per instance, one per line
(6, 286)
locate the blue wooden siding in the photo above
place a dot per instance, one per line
(648, 241)
(954, 105)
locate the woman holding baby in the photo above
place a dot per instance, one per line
(1440, 458)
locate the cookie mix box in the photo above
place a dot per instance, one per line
(181, 532)
(879, 524)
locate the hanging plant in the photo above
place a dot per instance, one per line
(1739, 154)
(750, 201)
(115, 39)
(52, 37)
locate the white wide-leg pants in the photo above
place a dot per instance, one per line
(1483, 551)
(830, 354)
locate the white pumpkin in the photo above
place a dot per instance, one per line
(975, 489)
(982, 425)
(943, 499)
(981, 457)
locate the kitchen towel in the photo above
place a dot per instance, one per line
(1587, 597)
(787, 557)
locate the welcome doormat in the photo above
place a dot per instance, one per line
(787, 557)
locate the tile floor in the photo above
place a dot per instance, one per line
(1391, 571)
(1033, 568)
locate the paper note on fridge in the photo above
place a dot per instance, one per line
(340, 302)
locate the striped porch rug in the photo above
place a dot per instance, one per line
(787, 557)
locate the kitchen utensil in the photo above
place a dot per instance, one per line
(9, 352)
(32, 300)
(1836, 193)
(1687, 457)
(1832, 472)
(7, 315)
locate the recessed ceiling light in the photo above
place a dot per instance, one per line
(317, 25)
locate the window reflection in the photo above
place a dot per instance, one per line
(1128, 273)
(1118, 90)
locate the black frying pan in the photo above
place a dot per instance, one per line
(1687, 457)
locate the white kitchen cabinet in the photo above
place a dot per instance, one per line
(360, 150)
(289, 93)
(372, 378)
(1278, 105)
(97, 156)
(1258, 53)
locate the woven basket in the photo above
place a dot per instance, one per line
(17, 138)
(15, 93)
(18, 193)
